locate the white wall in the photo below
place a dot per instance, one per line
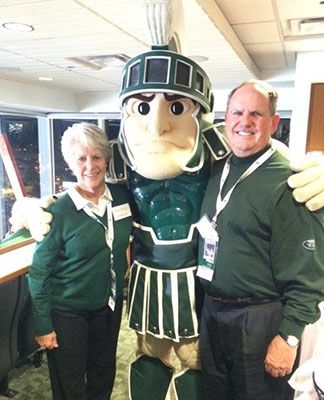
(309, 69)
(98, 102)
(24, 96)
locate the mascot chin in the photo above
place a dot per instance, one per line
(167, 142)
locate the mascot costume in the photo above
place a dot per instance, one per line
(167, 142)
(166, 99)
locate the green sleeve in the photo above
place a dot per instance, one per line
(298, 263)
(39, 278)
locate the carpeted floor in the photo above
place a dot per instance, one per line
(32, 383)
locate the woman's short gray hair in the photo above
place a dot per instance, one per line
(89, 135)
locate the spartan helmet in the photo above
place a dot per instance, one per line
(163, 71)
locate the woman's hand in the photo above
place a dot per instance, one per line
(48, 341)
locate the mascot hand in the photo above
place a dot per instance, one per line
(281, 147)
(28, 213)
(308, 182)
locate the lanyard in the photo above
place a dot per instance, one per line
(109, 229)
(221, 203)
(109, 236)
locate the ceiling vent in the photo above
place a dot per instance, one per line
(307, 26)
(100, 62)
(9, 69)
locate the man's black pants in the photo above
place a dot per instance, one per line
(234, 342)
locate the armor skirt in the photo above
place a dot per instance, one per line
(162, 302)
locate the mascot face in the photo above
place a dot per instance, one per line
(161, 132)
(165, 98)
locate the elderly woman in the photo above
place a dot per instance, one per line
(76, 277)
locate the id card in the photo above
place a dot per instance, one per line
(121, 211)
(207, 260)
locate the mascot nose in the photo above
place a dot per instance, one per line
(158, 124)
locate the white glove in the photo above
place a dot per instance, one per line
(281, 147)
(28, 213)
(302, 378)
(308, 182)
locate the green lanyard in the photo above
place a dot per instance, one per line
(109, 236)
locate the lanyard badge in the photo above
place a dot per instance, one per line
(207, 261)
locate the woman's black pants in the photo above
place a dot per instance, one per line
(83, 367)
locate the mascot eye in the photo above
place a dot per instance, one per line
(178, 107)
(143, 108)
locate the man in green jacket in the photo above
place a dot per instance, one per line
(260, 259)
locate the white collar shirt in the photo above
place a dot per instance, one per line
(80, 202)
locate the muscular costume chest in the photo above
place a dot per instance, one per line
(169, 206)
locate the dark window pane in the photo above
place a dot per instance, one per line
(157, 70)
(200, 82)
(183, 74)
(22, 135)
(134, 74)
(112, 128)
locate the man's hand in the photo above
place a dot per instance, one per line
(308, 182)
(48, 341)
(280, 357)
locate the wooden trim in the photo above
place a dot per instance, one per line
(17, 245)
(15, 259)
(315, 138)
(13, 275)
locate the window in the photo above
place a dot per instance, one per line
(31, 140)
(21, 137)
(112, 128)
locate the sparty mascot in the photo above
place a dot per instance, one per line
(167, 141)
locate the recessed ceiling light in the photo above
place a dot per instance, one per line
(99, 62)
(17, 27)
(45, 78)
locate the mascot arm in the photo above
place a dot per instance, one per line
(308, 182)
(29, 213)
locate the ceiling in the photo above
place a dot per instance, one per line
(241, 38)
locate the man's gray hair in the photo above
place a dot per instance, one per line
(270, 90)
